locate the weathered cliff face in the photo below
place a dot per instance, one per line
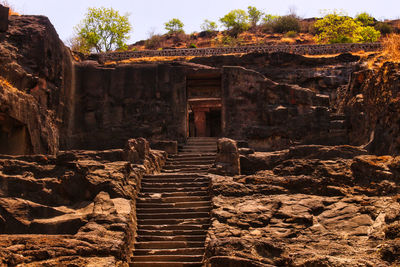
(113, 104)
(270, 115)
(38, 70)
(74, 208)
(323, 75)
(310, 206)
(372, 104)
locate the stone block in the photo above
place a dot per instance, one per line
(227, 160)
(171, 147)
(3, 18)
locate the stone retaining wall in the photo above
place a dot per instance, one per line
(295, 49)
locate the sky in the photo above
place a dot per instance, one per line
(149, 16)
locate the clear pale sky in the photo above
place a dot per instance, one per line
(150, 15)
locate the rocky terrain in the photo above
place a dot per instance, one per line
(307, 206)
(74, 208)
(324, 190)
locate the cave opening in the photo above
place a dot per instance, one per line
(14, 137)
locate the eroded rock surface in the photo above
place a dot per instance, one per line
(311, 206)
(74, 208)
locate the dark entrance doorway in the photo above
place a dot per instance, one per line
(14, 137)
(204, 117)
(208, 123)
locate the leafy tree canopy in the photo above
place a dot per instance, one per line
(365, 19)
(236, 21)
(255, 15)
(103, 29)
(339, 28)
(174, 26)
(209, 26)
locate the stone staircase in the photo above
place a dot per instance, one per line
(338, 129)
(173, 209)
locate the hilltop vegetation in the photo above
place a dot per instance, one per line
(255, 27)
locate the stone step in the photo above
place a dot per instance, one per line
(190, 162)
(162, 227)
(198, 171)
(168, 244)
(173, 205)
(146, 238)
(173, 210)
(173, 189)
(165, 264)
(178, 215)
(172, 221)
(337, 124)
(193, 150)
(200, 143)
(175, 197)
(171, 232)
(176, 251)
(334, 117)
(177, 175)
(175, 180)
(174, 184)
(203, 138)
(201, 147)
(185, 166)
(193, 155)
(168, 258)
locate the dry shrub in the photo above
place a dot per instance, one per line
(391, 47)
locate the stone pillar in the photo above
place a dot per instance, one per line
(3, 18)
(200, 122)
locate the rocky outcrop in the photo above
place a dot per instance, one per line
(312, 206)
(371, 103)
(74, 208)
(273, 116)
(321, 74)
(227, 158)
(36, 75)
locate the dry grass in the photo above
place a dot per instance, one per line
(390, 52)
(6, 84)
(149, 59)
(391, 47)
(11, 11)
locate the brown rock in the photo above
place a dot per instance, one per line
(227, 159)
(3, 18)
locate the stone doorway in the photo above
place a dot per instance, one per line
(14, 137)
(204, 117)
(204, 103)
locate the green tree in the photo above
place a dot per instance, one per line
(338, 28)
(286, 24)
(103, 29)
(255, 15)
(365, 19)
(209, 26)
(235, 21)
(174, 26)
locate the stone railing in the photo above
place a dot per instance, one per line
(295, 49)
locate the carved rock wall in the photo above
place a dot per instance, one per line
(113, 104)
(269, 115)
(371, 103)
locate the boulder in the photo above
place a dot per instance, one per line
(171, 147)
(227, 159)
